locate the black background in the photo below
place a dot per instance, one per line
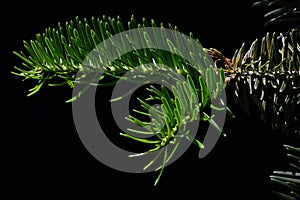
(43, 155)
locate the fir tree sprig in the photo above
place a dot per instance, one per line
(280, 14)
(56, 56)
(288, 182)
(268, 75)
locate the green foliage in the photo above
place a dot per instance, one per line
(282, 14)
(288, 182)
(268, 76)
(56, 56)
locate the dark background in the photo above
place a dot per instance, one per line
(43, 155)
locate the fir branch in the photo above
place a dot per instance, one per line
(56, 56)
(281, 14)
(288, 182)
(268, 76)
